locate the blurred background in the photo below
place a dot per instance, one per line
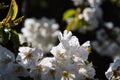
(55, 9)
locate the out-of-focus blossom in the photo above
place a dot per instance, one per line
(41, 33)
(109, 25)
(28, 57)
(95, 3)
(105, 45)
(92, 3)
(22, 39)
(89, 19)
(116, 31)
(78, 2)
(91, 16)
(107, 48)
(113, 73)
(88, 13)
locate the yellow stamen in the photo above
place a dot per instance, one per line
(61, 55)
(65, 73)
(89, 49)
(28, 55)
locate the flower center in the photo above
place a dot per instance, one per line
(116, 73)
(61, 55)
(65, 73)
(28, 55)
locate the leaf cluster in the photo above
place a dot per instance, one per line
(6, 25)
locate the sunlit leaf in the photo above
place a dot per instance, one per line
(80, 23)
(70, 25)
(0, 25)
(12, 13)
(68, 14)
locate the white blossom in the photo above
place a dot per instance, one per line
(88, 13)
(78, 2)
(87, 70)
(92, 3)
(69, 58)
(91, 16)
(41, 33)
(69, 46)
(55, 70)
(95, 3)
(113, 73)
(109, 25)
(42, 68)
(28, 57)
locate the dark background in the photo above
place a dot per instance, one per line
(55, 9)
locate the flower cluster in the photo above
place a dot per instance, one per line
(91, 2)
(90, 15)
(106, 43)
(113, 73)
(89, 19)
(40, 33)
(69, 61)
(34, 54)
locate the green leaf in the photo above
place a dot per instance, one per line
(87, 62)
(14, 37)
(68, 14)
(5, 36)
(80, 23)
(9, 35)
(12, 13)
